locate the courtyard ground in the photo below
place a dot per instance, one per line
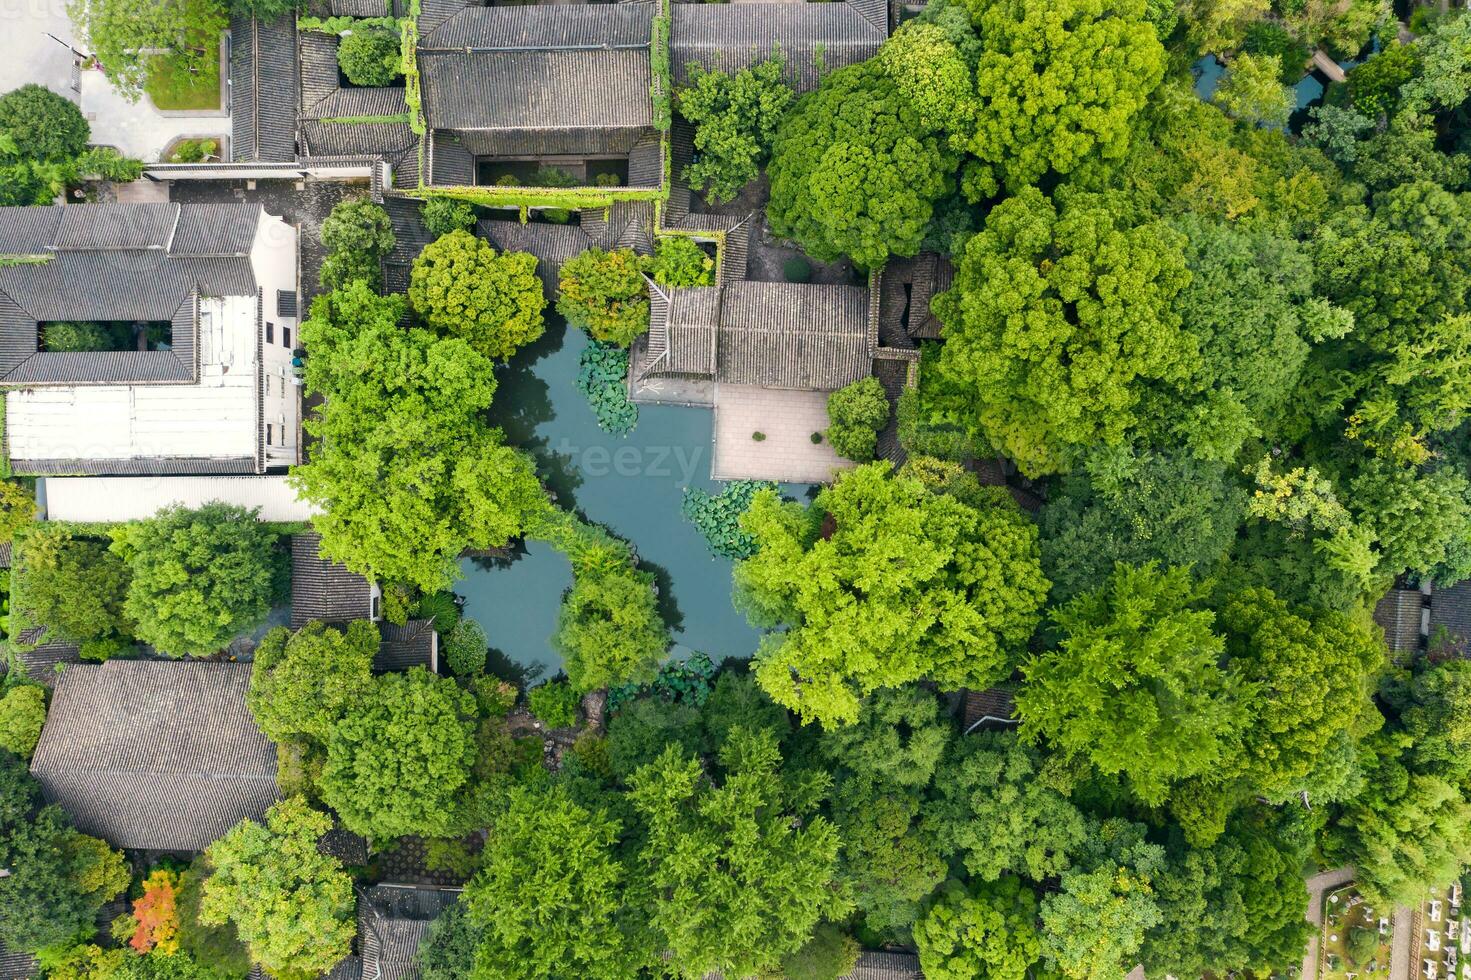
(787, 421)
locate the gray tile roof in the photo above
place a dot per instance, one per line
(886, 966)
(361, 8)
(556, 89)
(155, 755)
(1400, 614)
(118, 262)
(322, 589)
(401, 647)
(552, 245)
(263, 97)
(814, 37)
(135, 466)
(1450, 609)
(623, 25)
(40, 662)
(15, 965)
(392, 922)
(563, 79)
(771, 334)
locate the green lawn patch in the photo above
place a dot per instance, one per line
(171, 85)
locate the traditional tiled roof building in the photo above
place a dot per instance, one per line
(813, 38)
(323, 590)
(1403, 616)
(769, 334)
(392, 922)
(263, 97)
(561, 85)
(217, 281)
(155, 755)
(338, 121)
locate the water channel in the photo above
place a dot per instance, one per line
(632, 484)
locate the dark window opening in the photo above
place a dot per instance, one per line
(268, 434)
(286, 337)
(270, 332)
(69, 336)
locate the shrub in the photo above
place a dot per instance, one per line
(797, 269)
(717, 516)
(22, 714)
(555, 703)
(370, 56)
(607, 180)
(1362, 945)
(605, 294)
(857, 412)
(464, 649)
(678, 682)
(816, 438)
(193, 151)
(17, 508)
(680, 261)
(602, 377)
(442, 215)
(46, 126)
(450, 855)
(465, 288)
(441, 607)
(75, 335)
(758, 436)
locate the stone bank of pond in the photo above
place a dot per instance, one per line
(633, 484)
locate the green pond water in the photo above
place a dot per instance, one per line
(632, 484)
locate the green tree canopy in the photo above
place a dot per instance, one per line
(1234, 906)
(856, 412)
(1252, 91)
(1135, 686)
(291, 904)
(609, 630)
(1058, 322)
(741, 872)
(303, 681)
(22, 715)
(853, 171)
(552, 898)
(897, 740)
(399, 763)
(986, 932)
(883, 581)
(1094, 925)
(605, 294)
(49, 126)
(1123, 507)
(1055, 84)
(463, 287)
(407, 471)
(369, 55)
(735, 119)
(200, 577)
(357, 235)
(1001, 807)
(75, 587)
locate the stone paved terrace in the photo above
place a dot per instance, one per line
(788, 419)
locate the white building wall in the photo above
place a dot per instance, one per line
(128, 498)
(274, 259)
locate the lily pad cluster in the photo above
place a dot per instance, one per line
(601, 373)
(717, 516)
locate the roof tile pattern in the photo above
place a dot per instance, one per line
(155, 755)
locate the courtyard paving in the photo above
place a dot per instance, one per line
(787, 419)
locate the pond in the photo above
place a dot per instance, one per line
(1307, 92)
(633, 484)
